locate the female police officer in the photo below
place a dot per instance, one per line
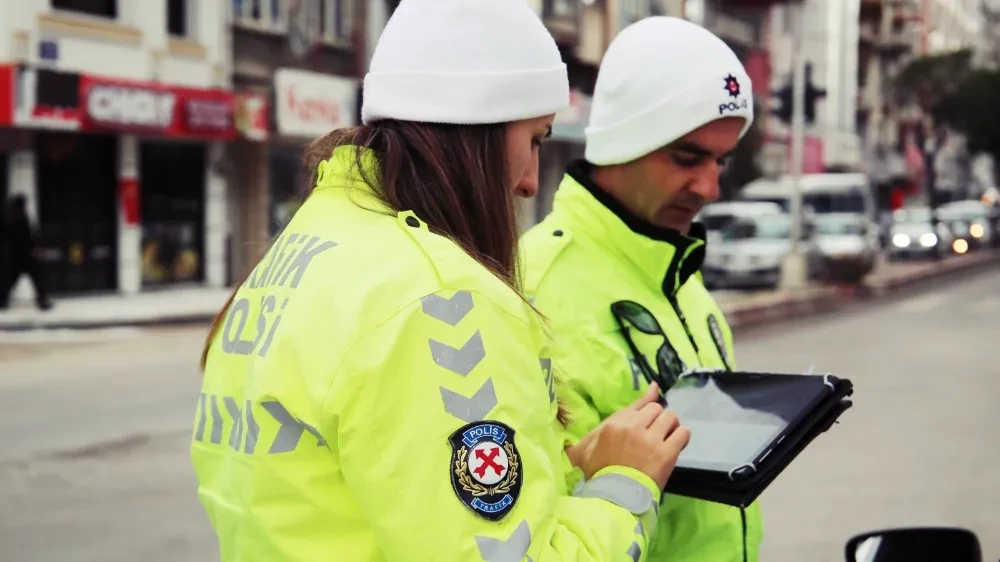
(377, 389)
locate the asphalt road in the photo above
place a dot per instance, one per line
(95, 429)
(920, 445)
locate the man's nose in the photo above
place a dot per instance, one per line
(706, 184)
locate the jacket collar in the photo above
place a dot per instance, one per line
(665, 258)
(339, 174)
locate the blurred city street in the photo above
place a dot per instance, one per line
(152, 152)
(94, 464)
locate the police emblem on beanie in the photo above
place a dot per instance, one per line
(486, 471)
(732, 86)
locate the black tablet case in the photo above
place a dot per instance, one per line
(806, 417)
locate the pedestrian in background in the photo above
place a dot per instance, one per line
(378, 388)
(19, 253)
(619, 250)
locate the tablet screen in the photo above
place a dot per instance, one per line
(737, 417)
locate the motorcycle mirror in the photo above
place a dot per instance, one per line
(915, 544)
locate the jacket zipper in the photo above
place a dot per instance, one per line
(680, 314)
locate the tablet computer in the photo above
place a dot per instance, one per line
(737, 418)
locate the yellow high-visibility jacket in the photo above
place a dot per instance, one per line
(589, 253)
(374, 394)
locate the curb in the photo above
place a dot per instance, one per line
(813, 301)
(169, 320)
(829, 298)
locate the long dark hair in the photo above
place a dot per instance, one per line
(454, 177)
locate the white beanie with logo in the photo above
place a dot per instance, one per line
(660, 79)
(464, 62)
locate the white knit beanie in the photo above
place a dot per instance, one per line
(464, 62)
(660, 79)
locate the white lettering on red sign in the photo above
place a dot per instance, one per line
(208, 114)
(130, 106)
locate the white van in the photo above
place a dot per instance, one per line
(822, 193)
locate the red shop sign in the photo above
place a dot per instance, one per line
(7, 75)
(142, 107)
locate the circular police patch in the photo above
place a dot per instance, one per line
(486, 468)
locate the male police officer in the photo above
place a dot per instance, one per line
(619, 249)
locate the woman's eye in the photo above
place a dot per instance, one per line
(537, 141)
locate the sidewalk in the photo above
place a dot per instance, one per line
(200, 305)
(189, 304)
(890, 277)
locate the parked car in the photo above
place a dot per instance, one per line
(913, 236)
(971, 221)
(716, 216)
(752, 251)
(849, 244)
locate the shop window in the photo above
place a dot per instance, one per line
(101, 8)
(335, 20)
(261, 14)
(172, 191)
(77, 177)
(177, 18)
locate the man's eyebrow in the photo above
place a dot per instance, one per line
(693, 148)
(697, 150)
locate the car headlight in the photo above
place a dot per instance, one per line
(900, 240)
(977, 230)
(928, 239)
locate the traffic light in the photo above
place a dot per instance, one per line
(784, 109)
(784, 97)
(813, 95)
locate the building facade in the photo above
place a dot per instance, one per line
(296, 73)
(115, 133)
(830, 38)
(893, 33)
